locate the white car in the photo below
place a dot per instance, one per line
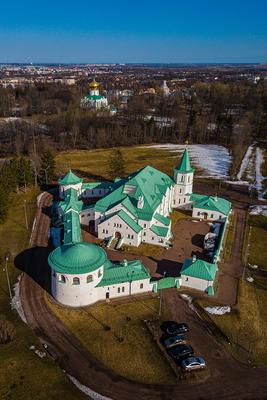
(191, 363)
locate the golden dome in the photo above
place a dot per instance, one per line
(94, 84)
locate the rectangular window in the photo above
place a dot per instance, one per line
(180, 190)
(122, 289)
(179, 201)
(129, 236)
(144, 225)
(141, 285)
(119, 290)
(184, 200)
(152, 238)
(198, 213)
(144, 233)
(103, 230)
(211, 215)
(132, 237)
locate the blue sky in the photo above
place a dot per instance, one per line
(133, 31)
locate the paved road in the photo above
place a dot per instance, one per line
(229, 379)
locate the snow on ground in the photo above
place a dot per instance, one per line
(86, 390)
(218, 310)
(250, 169)
(245, 162)
(214, 160)
(16, 303)
(259, 177)
(258, 210)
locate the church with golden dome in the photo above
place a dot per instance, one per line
(94, 99)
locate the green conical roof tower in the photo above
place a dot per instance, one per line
(184, 166)
(70, 179)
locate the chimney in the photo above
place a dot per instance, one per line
(125, 263)
(194, 258)
(140, 203)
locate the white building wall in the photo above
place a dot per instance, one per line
(211, 215)
(124, 289)
(94, 193)
(106, 230)
(74, 295)
(195, 283)
(183, 187)
(87, 215)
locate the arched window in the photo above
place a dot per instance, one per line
(62, 279)
(89, 278)
(76, 281)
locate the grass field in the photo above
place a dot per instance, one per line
(246, 325)
(23, 374)
(92, 164)
(137, 357)
(230, 237)
(258, 240)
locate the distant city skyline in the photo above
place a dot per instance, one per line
(133, 32)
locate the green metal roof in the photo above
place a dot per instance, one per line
(184, 165)
(78, 258)
(94, 97)
(210, 291)
(147, 182)
(70, 179)
(96, 185)
(127, 219)
(72, 228)
(212, 203)
(166, 283)
(159, 230)
(199, 269)
(123, 272)
(164, 220)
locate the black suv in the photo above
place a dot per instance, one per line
(181, 351)
(173, 328)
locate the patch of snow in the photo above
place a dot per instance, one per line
(258, 210)
(259, 177)
(215, 160)
(245, 162)
(253, 266)
(218, 310)
(250, 279)
(16, 302)
(41, 354)
(86, 390)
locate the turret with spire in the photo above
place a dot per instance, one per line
(183, 178)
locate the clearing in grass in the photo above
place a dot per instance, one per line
(116, 335)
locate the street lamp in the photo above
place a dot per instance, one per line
(7, 258)
(160, 298)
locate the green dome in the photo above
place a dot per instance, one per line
(77, 258)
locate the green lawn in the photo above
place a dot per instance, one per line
(230, 237)
(137, 357)
(90, 163)
(246, 325)
(23, 374)
(258, 240)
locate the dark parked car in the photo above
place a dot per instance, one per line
(181, 351)
(175, 329)
(174, 340)
(192, 363)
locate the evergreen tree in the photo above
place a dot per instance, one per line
(4, 201)
(116, 164)
(48, 167)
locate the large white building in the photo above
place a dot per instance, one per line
(137, 209)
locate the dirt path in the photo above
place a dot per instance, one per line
(229, 380)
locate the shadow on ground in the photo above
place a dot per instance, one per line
(33, 262)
